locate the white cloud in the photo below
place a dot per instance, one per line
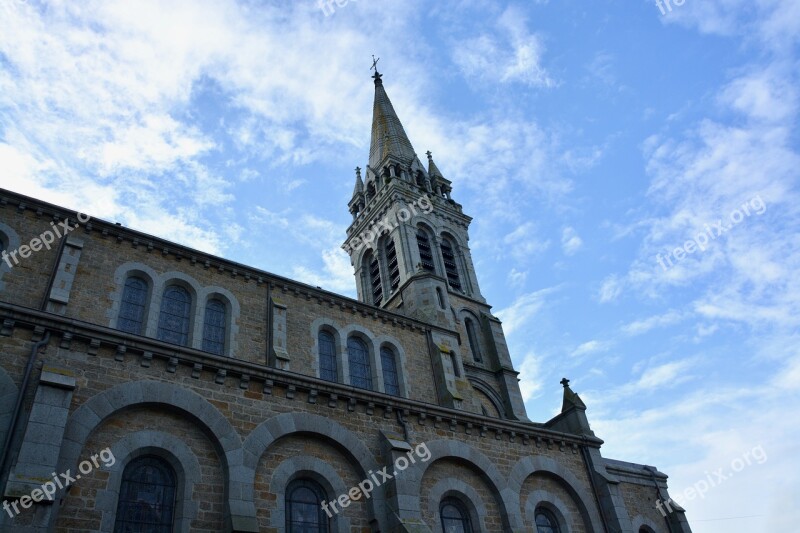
(590, 347)
(570, 241)
(512, 54)
(610, 289)
(523, 309)
(639, 327)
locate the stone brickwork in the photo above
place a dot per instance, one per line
(238, 428)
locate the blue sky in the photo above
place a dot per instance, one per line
(585, 138)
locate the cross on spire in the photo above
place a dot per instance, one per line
(565, 382)
(377, 76)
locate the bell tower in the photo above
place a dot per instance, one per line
(408, 244)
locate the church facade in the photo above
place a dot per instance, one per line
(147, 386)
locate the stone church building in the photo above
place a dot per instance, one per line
(149, 387)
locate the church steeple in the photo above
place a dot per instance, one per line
(389, 139)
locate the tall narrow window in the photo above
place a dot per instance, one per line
(173, 322)
(454, 517)
(327, 356)
(546, 522)
(375, 284)
(450, 267)
(391, 380)
(425, 254)
(391, 263)
(131, 310)
(304, 513)
(214, 327)
(440, 297)
(146, 497)
(472, 335)
(358, 358)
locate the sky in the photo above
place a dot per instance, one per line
(589, 141)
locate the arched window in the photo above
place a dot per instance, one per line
(472, 335)
(131, 309)
(391, 380)
(327, 356)
(546, 522)
(304, 513)
(425, 253)
(146, 497)
(455, 518)
(214, 327)
(173, 322)
(358, 358)
(450, 266)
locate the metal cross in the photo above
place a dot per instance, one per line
(375, 64)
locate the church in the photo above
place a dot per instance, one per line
(149, 387)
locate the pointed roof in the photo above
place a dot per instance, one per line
(433, 170)
(388, 135)
(359, 188)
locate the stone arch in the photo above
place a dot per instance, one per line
(640, 522)
(169, 448)
(492, 395)
(410, 486)
(8, 399)
(262, 437)
(528, 466)
(552, 503)
(464, 493)
(219, 430)
(313, 468)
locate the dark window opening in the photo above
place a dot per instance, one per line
(173, 323)
(425, 254)
(358, 358)
(327, 357)
(131, 310)
(146, 497)
(391, 380)
(391, 263)
(214, 327)
(304, 513)
(455, 518)
(450, 267)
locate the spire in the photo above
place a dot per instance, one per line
(359, 188)
(433, 170)
(388, 135)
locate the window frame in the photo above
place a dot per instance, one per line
(144, 305)
(462, 510)
(333, 355)
(324, 525)
(554, 523)
(187, 320)
(226, 311)
(366, 364)
(166, 468)
(389, 353)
